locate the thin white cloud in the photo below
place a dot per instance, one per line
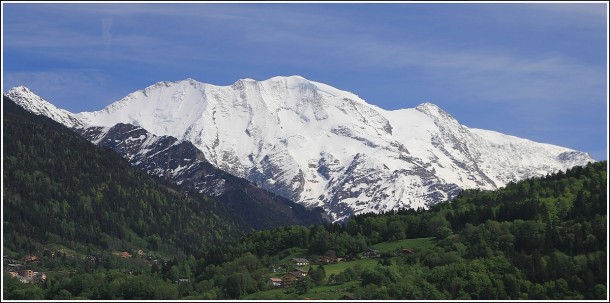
(106, 35)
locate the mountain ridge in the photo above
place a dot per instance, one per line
(320, 146)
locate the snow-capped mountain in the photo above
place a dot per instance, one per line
(321, 146)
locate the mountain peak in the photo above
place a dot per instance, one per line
(428, 107)
(33, 103)
(20, 88)
(23, 93)
(434, 111)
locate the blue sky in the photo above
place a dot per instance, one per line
(533, 70)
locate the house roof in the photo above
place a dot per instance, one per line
(298, 274)
(275, 279)
(300, 260)
(294, 274)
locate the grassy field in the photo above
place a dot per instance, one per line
(335, 291)
(338, 267)
(322, 292)
(405, 243)
(341, 266)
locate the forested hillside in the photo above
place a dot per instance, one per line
(61, 189)
(542, 238)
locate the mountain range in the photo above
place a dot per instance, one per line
(307, 142)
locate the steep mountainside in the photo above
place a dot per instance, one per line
(60, 189)
(321, 146)
(183, 164)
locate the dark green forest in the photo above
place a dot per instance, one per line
(74, 205)
(543, 238)
(61, 189)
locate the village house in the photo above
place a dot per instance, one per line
(28, 273)
(300, 262)
(29, 276)
(300, 272)
(371, 253)
(275, 282)
(30, 258)
(289, 280)
(327, 260)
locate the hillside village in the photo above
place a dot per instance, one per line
(288, 278)
(21, 269)
(284, 276)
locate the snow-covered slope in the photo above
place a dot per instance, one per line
(25, 98)
(321, 146)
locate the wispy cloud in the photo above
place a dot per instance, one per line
(536, 62)
(106, 35)
(191, 33)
